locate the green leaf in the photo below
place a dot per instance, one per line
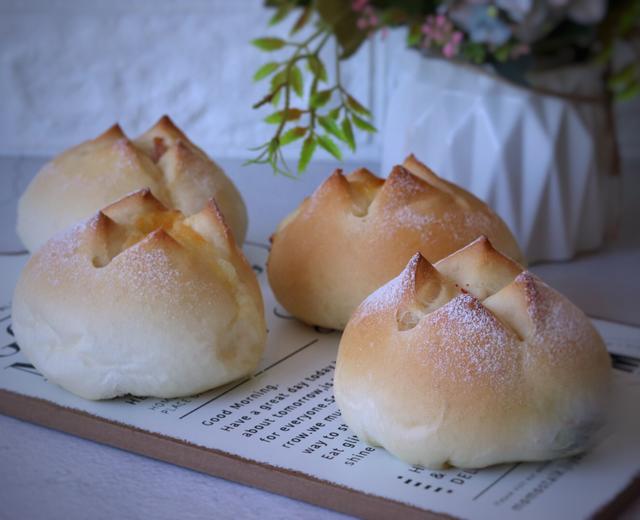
(335, 113)
(265, 70)
(295, 76)
(354, 105)
(331, 147)
(249, 162)
(331, 126)
(279, 79)
(342, 21)
(320, 98)
(308, 148)
(317, 68)
(292, 135)
(363, 125)
(275, 100)
(280, 14)
(350, 42)
(302, 20)
(256, 148)
(269, 44)
(276, 118)
(273, 147)
(629, 92)
(414, 35)
(474, 52)
(347, 131)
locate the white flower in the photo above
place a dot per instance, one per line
(480, 23)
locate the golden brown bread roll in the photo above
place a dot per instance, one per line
(140, 299)
(356, 232)
(82, 180)
(471, 362)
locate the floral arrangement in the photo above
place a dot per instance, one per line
(511, 37)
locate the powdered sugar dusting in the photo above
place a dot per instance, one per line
(462, 226)
(389, 296)
(470, 345)
(62, 250)
(409, 184)
(411, 217)
(561, 326)
(66, 242)
(147, 272)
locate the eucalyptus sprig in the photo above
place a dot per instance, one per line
(323, 112)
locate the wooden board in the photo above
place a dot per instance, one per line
(294, 352)
(225, 465)
(212, 462)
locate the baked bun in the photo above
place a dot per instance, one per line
(471, 362)
(358, 231)
(86, 178)
(141, 300)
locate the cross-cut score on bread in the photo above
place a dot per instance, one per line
(141, 299)
(363, 187)
(93, 174)
(469, 362)
(477, 270)
(357, 231)
(141, 216)
(360, 189)
(406, 184)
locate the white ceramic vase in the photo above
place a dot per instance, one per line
(544, 163)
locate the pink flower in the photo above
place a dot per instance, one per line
(449, 50)
(440, 33)
(369, 19)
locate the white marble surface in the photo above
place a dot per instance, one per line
(46, 474)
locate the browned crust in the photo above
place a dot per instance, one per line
(73, 184)
(502, 355)
(111, 134)
(356, 232)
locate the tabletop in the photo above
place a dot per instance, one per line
(47, 474)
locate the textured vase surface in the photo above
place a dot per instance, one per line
(542, 162)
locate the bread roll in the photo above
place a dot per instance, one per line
(471, 362)
(358, 231)
(83, 179)
(141, 300)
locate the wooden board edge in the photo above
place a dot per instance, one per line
(281, 481)
(622, 501)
